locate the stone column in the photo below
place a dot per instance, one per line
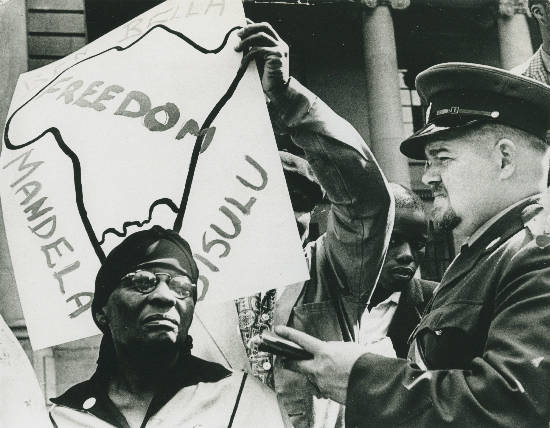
(513, 31)
(383, 93)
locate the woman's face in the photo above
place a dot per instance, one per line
(158, 316)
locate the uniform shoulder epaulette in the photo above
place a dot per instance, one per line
(537, 221)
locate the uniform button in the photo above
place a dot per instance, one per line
(438, 332)
(266, 365)
(89, 403)
(265, 317)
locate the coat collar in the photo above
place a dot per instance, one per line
(91, 395)
(499, 232)
(486, 226)
(414, 299)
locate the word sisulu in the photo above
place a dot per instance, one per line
(135, 104)
(43, 223)
(221, 243)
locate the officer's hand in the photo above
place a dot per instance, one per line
(331, 365)
(261, 42)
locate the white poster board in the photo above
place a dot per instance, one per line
(21, 400)
(100, 144)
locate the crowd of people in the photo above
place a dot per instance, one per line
(388, 348)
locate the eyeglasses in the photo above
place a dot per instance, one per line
(145, 282)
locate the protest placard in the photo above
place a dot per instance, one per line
(21, 400)
(157, 122)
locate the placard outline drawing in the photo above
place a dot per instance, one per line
(180, 209)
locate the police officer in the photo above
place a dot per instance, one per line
(481, 354)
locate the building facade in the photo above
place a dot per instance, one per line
(360, 56)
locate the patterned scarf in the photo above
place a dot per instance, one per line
(537, 68)
(255, 316)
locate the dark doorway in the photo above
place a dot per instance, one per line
(103, 16)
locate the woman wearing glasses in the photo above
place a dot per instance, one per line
(145, 295)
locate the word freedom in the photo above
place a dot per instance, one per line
(136, 104)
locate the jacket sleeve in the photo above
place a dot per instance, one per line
(508, 385)
(361, 215)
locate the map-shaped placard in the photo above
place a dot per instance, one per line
(167, 127)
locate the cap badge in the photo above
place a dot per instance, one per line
(89, 403)
(458, 110)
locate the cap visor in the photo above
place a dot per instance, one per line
(413, 147)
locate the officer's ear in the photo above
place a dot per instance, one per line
(506, 151)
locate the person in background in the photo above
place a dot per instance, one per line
(145, 295)
(479, 356)
(400, 296)
(538, 66)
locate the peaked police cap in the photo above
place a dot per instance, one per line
(460, 95)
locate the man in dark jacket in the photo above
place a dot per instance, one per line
(481, 354)
(345, 262)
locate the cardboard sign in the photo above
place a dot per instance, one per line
(155, 123)
(21, 401)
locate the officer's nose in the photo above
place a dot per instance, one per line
(430, 175)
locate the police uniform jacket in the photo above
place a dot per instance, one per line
(481, 355)
(412, 303)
